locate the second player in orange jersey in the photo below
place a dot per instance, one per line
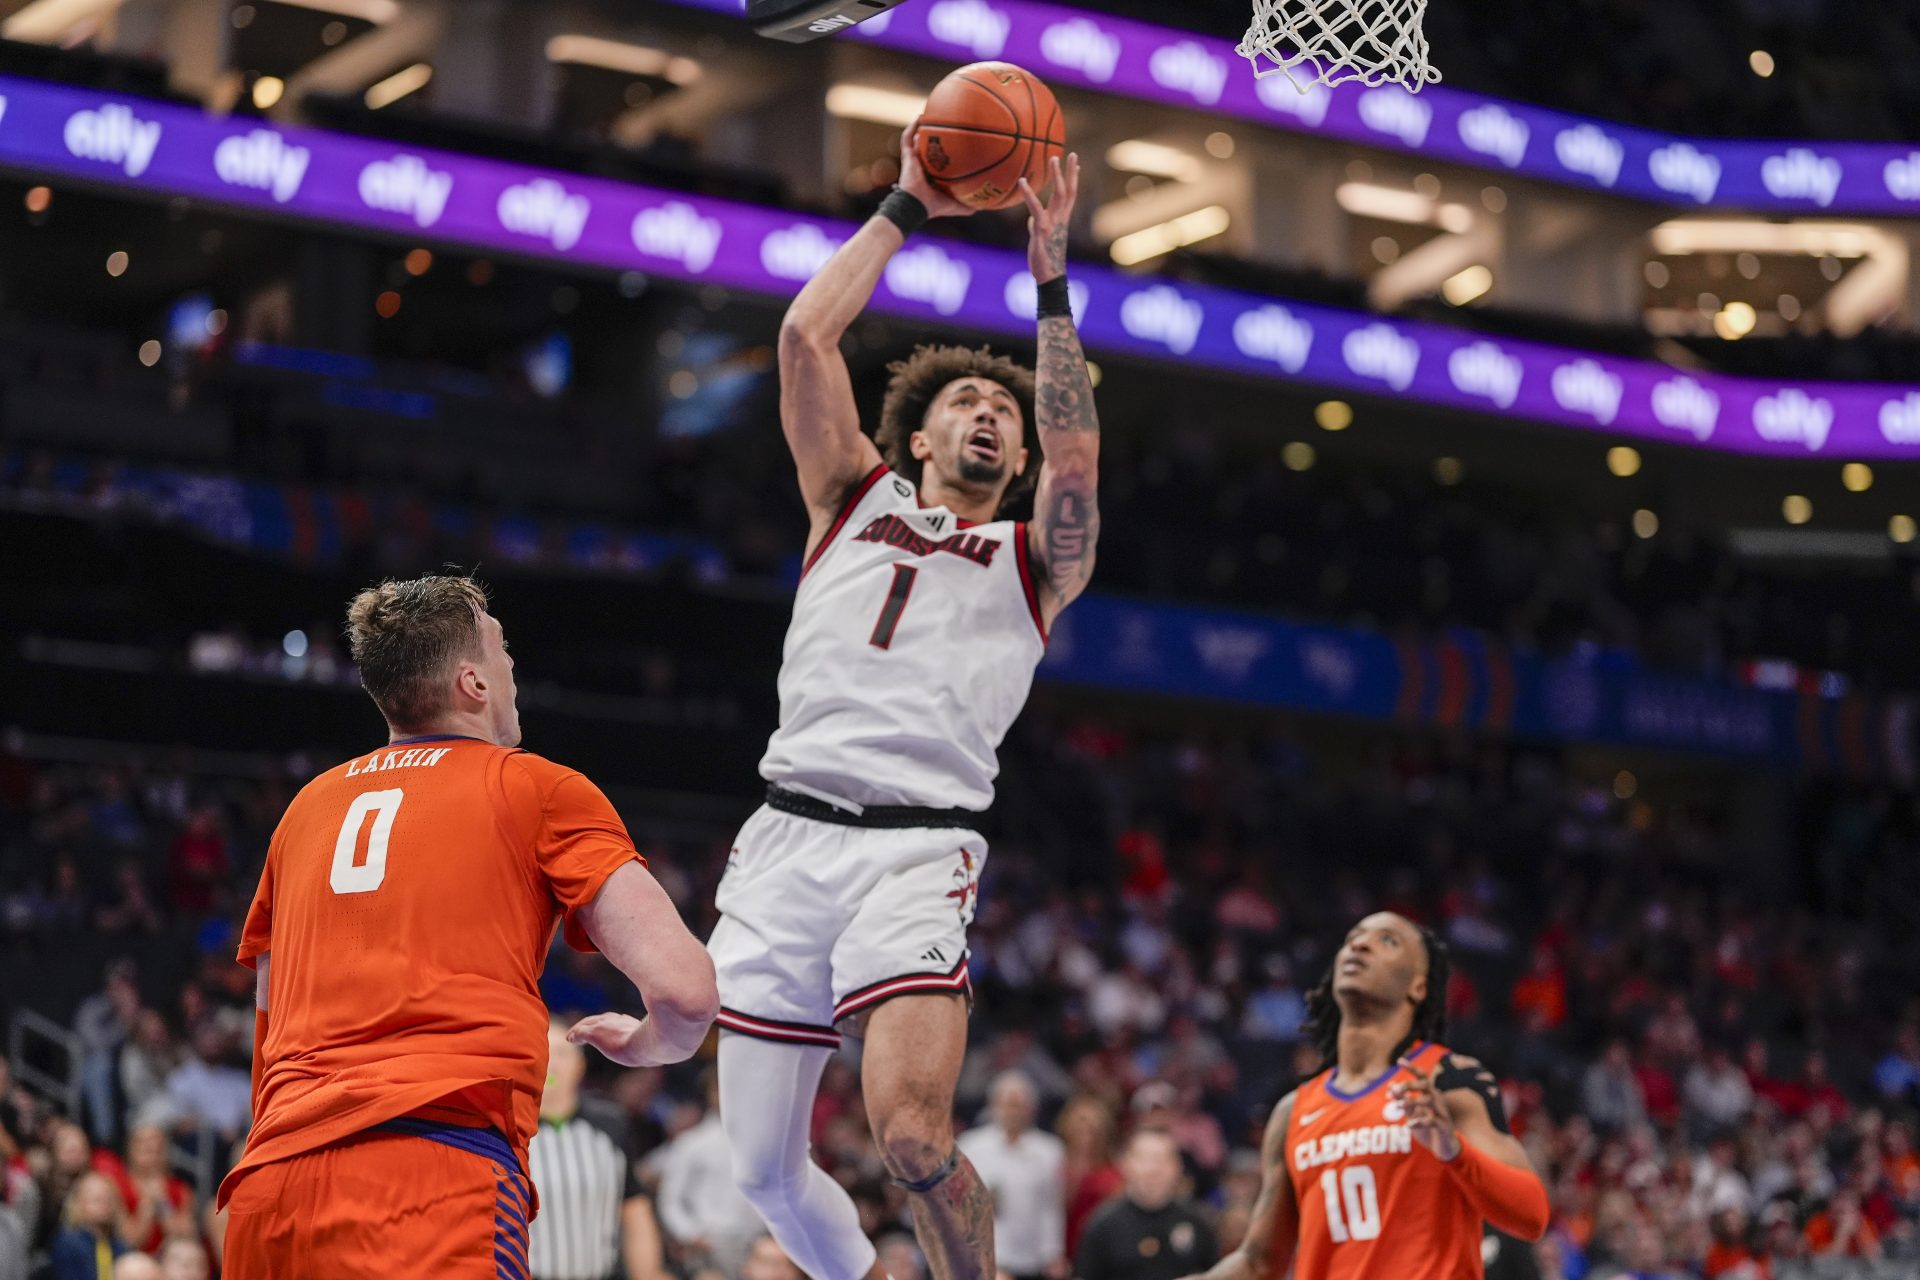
(1389, 1161)
(402, 920)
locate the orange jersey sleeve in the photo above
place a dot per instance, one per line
(408, 901)
(576, 838)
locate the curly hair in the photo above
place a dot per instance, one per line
(918, 381)
(1322, 1026)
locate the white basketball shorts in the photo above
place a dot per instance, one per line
(820, 922)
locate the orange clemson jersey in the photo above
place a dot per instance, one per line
(1372, 1201)
(408, 901)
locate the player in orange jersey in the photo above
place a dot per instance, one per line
(407, 905)
(1388, 1162)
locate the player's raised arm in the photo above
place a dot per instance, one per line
(816, 393)
(1456, 1114)
(1066, 509)
(1273, 1230)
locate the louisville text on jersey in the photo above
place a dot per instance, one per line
(895, 532)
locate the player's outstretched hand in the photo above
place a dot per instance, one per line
(623, 1039)
(1047, 223)
(914, 181)
(1428, 1116)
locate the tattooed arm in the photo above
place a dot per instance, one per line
(1066, 509)
(1273, 1230)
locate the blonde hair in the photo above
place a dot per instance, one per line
(69, 1212)
(405, 638)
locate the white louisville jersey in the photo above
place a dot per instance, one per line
(912, 648)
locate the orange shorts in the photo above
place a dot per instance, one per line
(380, 1206)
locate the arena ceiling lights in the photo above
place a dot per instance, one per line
(53, 21)
(629, 59)
(378, 12)
(892, 107)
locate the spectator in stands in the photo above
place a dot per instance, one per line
(1897, 1076)
(701, 1208)
(1086, 1129)
(89, 1239)
(1717, 1094)
(1024, 1169)
(136, 1266)
(13, 1242)
(1841, 1231)
(103, 1024)
(198, 866)
(1274, 1012)
(207, 1089)
(1147, 1232)
(146, 1060)
(1610, 1094)
(185, 1258)
(159, 1204)
(71, 1157)
(128, 906)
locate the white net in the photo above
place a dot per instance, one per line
(1331, 41)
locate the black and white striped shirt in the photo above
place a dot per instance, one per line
(584, 1175)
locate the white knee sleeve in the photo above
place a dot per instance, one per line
(766, 1108)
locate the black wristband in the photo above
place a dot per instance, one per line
(904, 210)
(1056, 299)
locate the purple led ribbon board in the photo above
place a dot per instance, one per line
(427, 194)
(1138, 60)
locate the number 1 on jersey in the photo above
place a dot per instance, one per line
(346, 877)
(903, 576)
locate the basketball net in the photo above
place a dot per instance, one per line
(1333, 41)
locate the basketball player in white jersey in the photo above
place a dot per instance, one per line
(920, 617)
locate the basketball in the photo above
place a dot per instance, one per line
(985, 127)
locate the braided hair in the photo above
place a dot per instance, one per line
(1322, 1026)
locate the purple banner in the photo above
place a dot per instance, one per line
(1116, 55)
(428, 194)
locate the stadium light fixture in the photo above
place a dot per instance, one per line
(378, 12)
(46, 21)
(1680, 236)
(398, 85)
(617, 55)
(1902, 529)
(875, 105)
(267, 91)
(1857, 477)
(1175, 233)
(1157, 159)
(1645, 523)
(1623, 461)
(1464, 286)
(1797, 508)
(1333, 415)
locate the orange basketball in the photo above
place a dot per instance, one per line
(986, 126)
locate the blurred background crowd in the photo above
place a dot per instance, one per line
(1718, 1076)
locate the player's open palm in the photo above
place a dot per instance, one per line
(1049, 220)
(914, 180)
(1428, 1117)
(621, 1038)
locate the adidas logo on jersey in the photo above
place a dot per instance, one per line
(895, 532)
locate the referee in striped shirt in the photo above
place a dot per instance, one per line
(593, 1216)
